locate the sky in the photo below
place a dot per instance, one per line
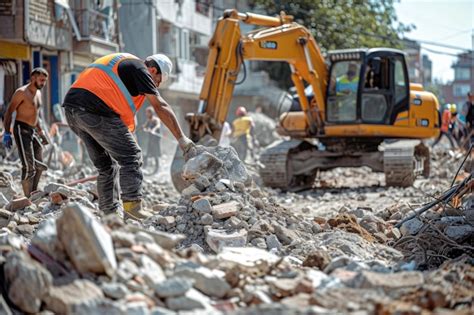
(449, 22)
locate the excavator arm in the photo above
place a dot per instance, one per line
(279, 39)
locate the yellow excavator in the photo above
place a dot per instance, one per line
(361, 108)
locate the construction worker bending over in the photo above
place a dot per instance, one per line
(100, 108)
(26, 102)
(242, 130)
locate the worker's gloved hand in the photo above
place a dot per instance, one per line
(7, 140)
(188, 147)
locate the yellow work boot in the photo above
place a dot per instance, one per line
(133, 209)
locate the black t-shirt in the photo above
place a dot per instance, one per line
(134, 76)
(470, 114)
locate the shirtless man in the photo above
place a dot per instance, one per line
(29, 136)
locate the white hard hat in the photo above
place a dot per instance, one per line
(165, 64)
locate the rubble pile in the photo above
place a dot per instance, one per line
(226, 246)
(76, 265)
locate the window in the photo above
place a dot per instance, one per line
(400, 82)
(182, 43)
(342, 100)
(462, 74)
(461, 89)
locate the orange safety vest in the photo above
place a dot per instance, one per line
(446, 120)
(101, 78)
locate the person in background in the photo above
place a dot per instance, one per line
(470, 117)
(242, 132)
(445, 127)
(349, 82)
(29, 137)
(152, 126)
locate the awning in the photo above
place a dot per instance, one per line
(14, 51)
(64, 4)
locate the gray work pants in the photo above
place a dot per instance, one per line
(112, 149)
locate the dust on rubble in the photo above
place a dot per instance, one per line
(228, 246)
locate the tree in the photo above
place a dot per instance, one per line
(338, 24)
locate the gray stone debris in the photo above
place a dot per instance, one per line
(190, 301)
(77, 297)
(28, 282)
(87, 243)
(218, 239)
(173, 287)
(210, 282)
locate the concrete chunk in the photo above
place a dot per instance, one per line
(28, 281)
(17, 204)
(192, 300)
(173, 287)
(78, 297)
(389, 281)
(202, 206)
(226, 210)
(210, 282)
(87, 243)
(218, 239)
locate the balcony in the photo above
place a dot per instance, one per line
(98, 33)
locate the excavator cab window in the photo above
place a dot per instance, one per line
(342, 94)
(376, 93)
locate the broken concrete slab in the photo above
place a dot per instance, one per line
(87, 243)
(28, 281)
(151, 272)
(78, 297)
(202, 206)
(192, 300)
(218, 239)
(18, 204)
(226, 210)
(247, 257)
(173, 287)
(46, 239)
(202, 164)
(210, 282)
(165, 240)
(389, 281)
(114, 290)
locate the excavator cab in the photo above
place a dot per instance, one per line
(366, 86)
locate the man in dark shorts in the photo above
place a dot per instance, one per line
(26, 102)
(101, 107)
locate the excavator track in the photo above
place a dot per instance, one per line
(403, 161)
(276, 172)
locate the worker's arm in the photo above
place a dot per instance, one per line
(15, 102)
(167, 116)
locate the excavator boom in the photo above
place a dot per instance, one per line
(279, 40)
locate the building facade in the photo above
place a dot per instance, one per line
(63, 36)
(179, 29)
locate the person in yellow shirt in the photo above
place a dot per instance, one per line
(242, 132)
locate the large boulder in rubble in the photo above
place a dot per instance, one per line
(211, 162)
(87, 243)
(28, 281)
